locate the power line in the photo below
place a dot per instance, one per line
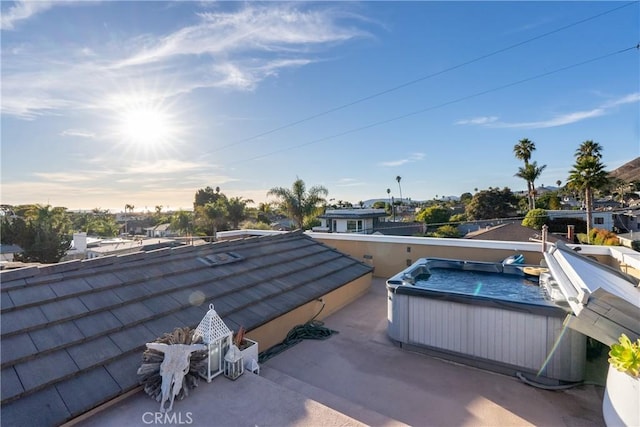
(419, 79)
(434, 107)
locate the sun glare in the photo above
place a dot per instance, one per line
(145, 126)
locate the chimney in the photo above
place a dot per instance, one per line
(80, 241)
(571, 232)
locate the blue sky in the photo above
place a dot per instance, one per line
(113, 103)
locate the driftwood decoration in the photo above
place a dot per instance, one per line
(171, 366)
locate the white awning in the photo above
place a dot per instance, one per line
(605, 302)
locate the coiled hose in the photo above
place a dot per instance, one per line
(312, 330)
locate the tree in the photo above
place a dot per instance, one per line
(447, 231)
(181, 221)
(492, 203)
(530, 172)
(206, 195)
(264, 213)
(535, 219)
(434, 215)
(588, 174)
(128, 208)
(465, 198)
(549, 200)
(42, 243)
(210, 216)
(399, 178)
(43, 234)
(297, 202)
(236, 210)
(522, 150)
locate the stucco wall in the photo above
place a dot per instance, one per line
(390, 257)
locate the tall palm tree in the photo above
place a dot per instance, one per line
(297, 202)
(522, 150)
(588, 174)
(589, 148)
(530, 173)
(399, 178)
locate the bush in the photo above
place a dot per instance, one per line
(447, 231)
(598, 236)
(535, 219)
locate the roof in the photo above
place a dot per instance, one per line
(511, 232)
(73, 333)
(353, 213)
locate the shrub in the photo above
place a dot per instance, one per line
(447, 231)
(535, 219)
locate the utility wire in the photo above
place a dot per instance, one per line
(434, 107)
(419, 79)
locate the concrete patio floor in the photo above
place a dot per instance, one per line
(358, 377)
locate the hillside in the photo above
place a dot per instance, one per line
(628, 172)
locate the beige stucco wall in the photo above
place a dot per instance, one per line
(276, 330)
(389, 258)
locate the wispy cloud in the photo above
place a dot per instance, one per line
(413, 157)
(558, 120)
(20, 11)
(349, 182)
(232, 50)
(478, 120)
(78, 133)
(561, 120)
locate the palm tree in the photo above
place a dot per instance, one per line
(389, 195)
(530, 173)
(522, 150)
(128, 208)
(297, 202)
(399, 178)
(588, 174)
(589, 148)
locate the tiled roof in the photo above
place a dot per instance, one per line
(73, 333)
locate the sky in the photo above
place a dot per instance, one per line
(143, 103)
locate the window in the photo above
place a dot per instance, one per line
(598, 220)
(354, 226)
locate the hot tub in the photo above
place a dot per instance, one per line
(488, 315)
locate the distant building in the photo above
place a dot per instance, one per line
(362, 221)
(160, 230)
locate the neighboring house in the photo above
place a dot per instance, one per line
(160, 230)
(628, 221)
(600, 219)
(512, 232)
(73, 333)
(7, 251)
(119, 246)
(363, 221)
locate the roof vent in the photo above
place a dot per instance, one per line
(221, 258)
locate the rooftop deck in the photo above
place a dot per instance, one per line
(358, 377)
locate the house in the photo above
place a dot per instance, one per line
(160, 230)
(601, 219)
(7, 252)
(363, 221)
(73, 333)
